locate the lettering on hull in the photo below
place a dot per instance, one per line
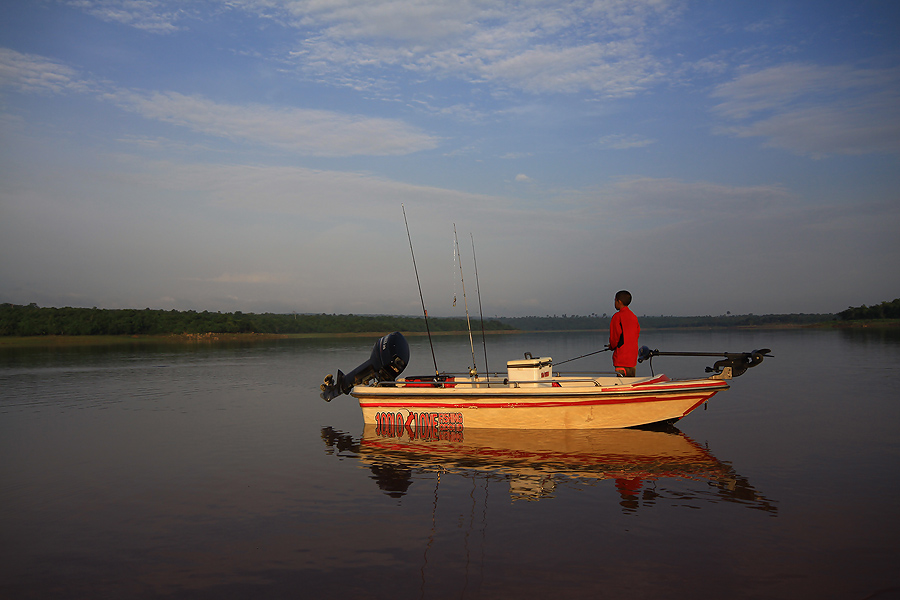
(427, 426)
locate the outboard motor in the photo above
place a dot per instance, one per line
(389, 357)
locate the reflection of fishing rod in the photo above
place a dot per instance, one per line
(422, 298)
(431, 536)
(474, 371)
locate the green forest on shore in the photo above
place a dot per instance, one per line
(33, 320)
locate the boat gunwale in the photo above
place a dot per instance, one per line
(411, 403)
(660, 381)
(529, 396)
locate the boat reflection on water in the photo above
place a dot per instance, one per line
(536, 462)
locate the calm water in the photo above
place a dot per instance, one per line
(218, 472)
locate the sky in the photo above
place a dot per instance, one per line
(268, 155)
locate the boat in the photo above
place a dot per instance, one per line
(529, 395)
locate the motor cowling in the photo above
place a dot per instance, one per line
(389, 357)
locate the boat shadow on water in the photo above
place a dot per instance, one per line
(643, 464)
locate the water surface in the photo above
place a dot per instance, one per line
(217, 471)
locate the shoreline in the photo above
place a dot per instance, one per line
(64, 341)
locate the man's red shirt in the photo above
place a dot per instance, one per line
(624, 331)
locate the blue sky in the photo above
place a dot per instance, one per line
(254, 155)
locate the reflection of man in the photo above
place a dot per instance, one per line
(393, 479)
(629, 490)
(624, 331)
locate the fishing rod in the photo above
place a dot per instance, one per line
(421, 297)
(582, 356)
(474, 371)
(480, 311)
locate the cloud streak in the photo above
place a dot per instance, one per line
(33, 74)
(601, 47)
(540, 48)
(297, 130)
(624, 141)
(304, 131)
(147, 15)
(815, 110)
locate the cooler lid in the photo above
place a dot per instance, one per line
(529, 363)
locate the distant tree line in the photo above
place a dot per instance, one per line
(30, 320)
(601, 322)
(885, 310)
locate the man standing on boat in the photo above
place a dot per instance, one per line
(624, 331)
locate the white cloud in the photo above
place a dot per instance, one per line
(542, 47)
(260, 277)
(623, 141)
(316, 195)
(459, 112)
(311, 132)
(687, 199)
(305, 131)
(815, 110)
(613, 70)
(653, 203)
(30, 73)
(149, 15)
(765, 25)
(410, 20)
(602, 47)
(858, 126)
